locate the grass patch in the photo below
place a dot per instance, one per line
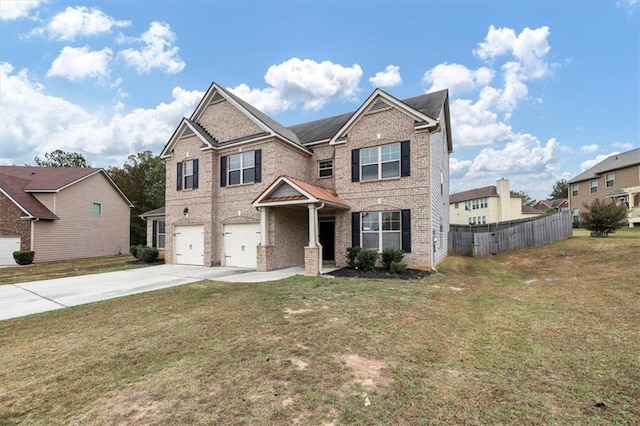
(66, 268)
(541, 336)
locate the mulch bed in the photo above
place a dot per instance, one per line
(380, 273)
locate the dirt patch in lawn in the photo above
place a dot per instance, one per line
(380, 273)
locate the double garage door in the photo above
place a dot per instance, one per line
(240, 242)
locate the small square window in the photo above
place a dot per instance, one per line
(325, 168)
(96, 209)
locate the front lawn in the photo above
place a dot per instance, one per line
(541, 336)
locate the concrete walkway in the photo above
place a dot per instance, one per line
(28, 298)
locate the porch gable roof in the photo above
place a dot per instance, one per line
(301, 193)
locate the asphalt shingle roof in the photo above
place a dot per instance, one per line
(613, 162)
(472, 194)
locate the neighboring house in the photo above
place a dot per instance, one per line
(155, 229)
(243, 190)
(557, 205)
(616, 178)
(490, 204)
(61, 213)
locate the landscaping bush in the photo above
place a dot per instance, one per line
(147, 254)
(366, 260)
(603, 218)
(398, 267)
(134, 250)
(352, 253)
(24, 257)
(391, 255)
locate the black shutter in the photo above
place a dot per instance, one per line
(179, 182)
(258, 164)
(355, 229)
(154, 243)
(355, 165)
(223, 170)
(195, 173)
(406, 230)
(405, 159)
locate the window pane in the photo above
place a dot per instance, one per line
(161, 226)
(234, 177)
(160, 241)
(96, 208)
(391, 169)
(234, 162)
(370, 222)
(370, 240)
(390, 152)
(248, 159)
(390, 239)
(188, 182)
(390, 221)
(369, 172)
(369, 155)
(326, 172)
(248, 175)
(188, 167)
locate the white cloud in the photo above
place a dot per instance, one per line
(79, 63)
(624, 146)
(158, 51)
(390, 77)
(457, 78)
(16, 9)
(104, 140)
(588, 149)
(630, 5)
(77, 22)
(590, 163)
(306, 82)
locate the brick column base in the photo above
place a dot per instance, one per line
(312, 261)
(265, 258)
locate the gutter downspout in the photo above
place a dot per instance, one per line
(33, 233)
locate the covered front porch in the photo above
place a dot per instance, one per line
(297, 225)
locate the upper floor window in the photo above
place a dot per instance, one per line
(380, 162)
(187, 175)
(242, 168)
(610, 180)
(325, 168)
(456, 204)
(593, 185)
(574, 189)
(96, 209)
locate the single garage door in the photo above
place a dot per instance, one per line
(7, 246)
(189, 244)
(240, 242)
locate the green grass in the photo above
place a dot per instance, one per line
(540, 336)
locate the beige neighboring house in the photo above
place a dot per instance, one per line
(616, 178)
(490, 204)
(61, 213)
(244, 190)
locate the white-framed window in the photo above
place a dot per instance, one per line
(574, 189)
(484, 203)
(160, 234)
(380, 162)
(380, 230)
(96, 209)
(456, 204)
(593, 185)
(187, 174)
(575, 214)
(241, 168)
(468, 204)
(610, 180)
(325, 168)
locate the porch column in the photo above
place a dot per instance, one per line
(313, 224)
(264, 240)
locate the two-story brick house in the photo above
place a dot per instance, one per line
(243, 190)
(615, 178)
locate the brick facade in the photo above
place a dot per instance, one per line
(11, 225)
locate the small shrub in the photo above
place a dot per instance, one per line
(390, 255)
(134, 250)
(366, 260)
(352, 253)
(24, 257)
(147, 254)
(398, 267)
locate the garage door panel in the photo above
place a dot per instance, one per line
(189, 245)
(240, 244)
(7, 246)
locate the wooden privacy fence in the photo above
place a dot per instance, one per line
(491, 239)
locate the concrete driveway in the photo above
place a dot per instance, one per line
(22, 299)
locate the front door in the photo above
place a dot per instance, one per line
(328, 240)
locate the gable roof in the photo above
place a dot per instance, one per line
(153, 213)
(613, 162)
(472, 194)
(306, 193)
(19, 182)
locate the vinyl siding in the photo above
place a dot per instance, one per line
(439, 201)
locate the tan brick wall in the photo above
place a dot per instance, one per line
(224, 122)
(311, 261)
(289, 234)
(11, 225)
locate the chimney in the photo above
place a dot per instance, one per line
(504, 199)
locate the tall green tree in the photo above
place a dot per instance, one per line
(142, 179)
(60, 158)
(603, 218)
(526, 198)
(560, 190)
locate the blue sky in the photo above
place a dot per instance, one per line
(539, 91)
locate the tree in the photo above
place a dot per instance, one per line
(526, 198)
(60, 158)
(142, 179)
(560, 190)
(603, 218)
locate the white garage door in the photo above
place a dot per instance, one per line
(7, 246)
(189, 244)
(240, 242)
